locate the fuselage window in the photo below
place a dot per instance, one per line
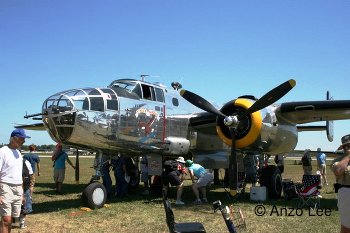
(112, 102)
(137, 90)
(97, 104)
(49, 103)
(85, 104)
(79, 103)
(96, 100)
(175, 102)
(79, 99)
(148, 92)
(64, 104)
(159, 94)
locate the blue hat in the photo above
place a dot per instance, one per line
(19, 133)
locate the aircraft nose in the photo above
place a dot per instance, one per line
(60, 116)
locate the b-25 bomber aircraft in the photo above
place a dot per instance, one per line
(135, 117)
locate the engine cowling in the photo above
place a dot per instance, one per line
(249, 128)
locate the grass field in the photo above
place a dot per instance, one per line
(137, 213)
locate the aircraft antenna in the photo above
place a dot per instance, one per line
(143, 76)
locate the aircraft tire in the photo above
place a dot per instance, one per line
(271, 178)
(94, 195)
(134, 180)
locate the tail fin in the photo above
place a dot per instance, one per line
(329, 124)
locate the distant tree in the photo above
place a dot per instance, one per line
(38, 147)
(25, 148)
(45, 148)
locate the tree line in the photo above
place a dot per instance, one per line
(38, 147)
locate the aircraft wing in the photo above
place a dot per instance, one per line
(204, 122)
(37, 126)
(313, 111)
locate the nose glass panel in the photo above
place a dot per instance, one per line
(60, 114)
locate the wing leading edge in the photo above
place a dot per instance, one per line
(313, 111)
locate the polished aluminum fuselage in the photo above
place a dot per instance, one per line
(111, 120)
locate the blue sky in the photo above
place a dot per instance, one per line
(218, 49)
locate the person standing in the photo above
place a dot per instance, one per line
(182, 168)
(279, 160)
(172, 175)
(145, 178)
(341, 169)
(120, 176)
(60, 157)
(34, 161)
(204, 178)
(250, 162)
(11, 190)
(321, 164)
(27, 176)
(306, 162)
(106, 177)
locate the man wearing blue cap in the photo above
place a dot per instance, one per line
(11, 191)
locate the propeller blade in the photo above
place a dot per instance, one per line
(233, 170)
(200, 102)
(270, 97)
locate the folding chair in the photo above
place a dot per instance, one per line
(175, 227)
(238, 218)
(308, 192)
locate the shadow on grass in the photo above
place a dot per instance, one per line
(49, 188)
(330, 203)
(71, 198)
(49, 201)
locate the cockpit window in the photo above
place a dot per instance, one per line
(159, 94)
(78, 99)
(64, 104)
(148, 92)
(97, 104)
(137, 88)
(129, 89)
(96, 100)
(124, 85)
(112, 101)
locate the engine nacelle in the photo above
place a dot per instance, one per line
(259, 131)
(176, 146)
(249, 127)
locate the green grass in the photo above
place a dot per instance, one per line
(137, 213)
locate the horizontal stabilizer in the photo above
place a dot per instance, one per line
(328, 127)
(311, 128)
(37, 126)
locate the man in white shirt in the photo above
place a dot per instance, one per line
(11, 190)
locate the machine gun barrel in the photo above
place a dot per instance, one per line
(33, 115)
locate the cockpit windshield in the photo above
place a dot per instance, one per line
(127, 88)
(79, 99)
(128, 85)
